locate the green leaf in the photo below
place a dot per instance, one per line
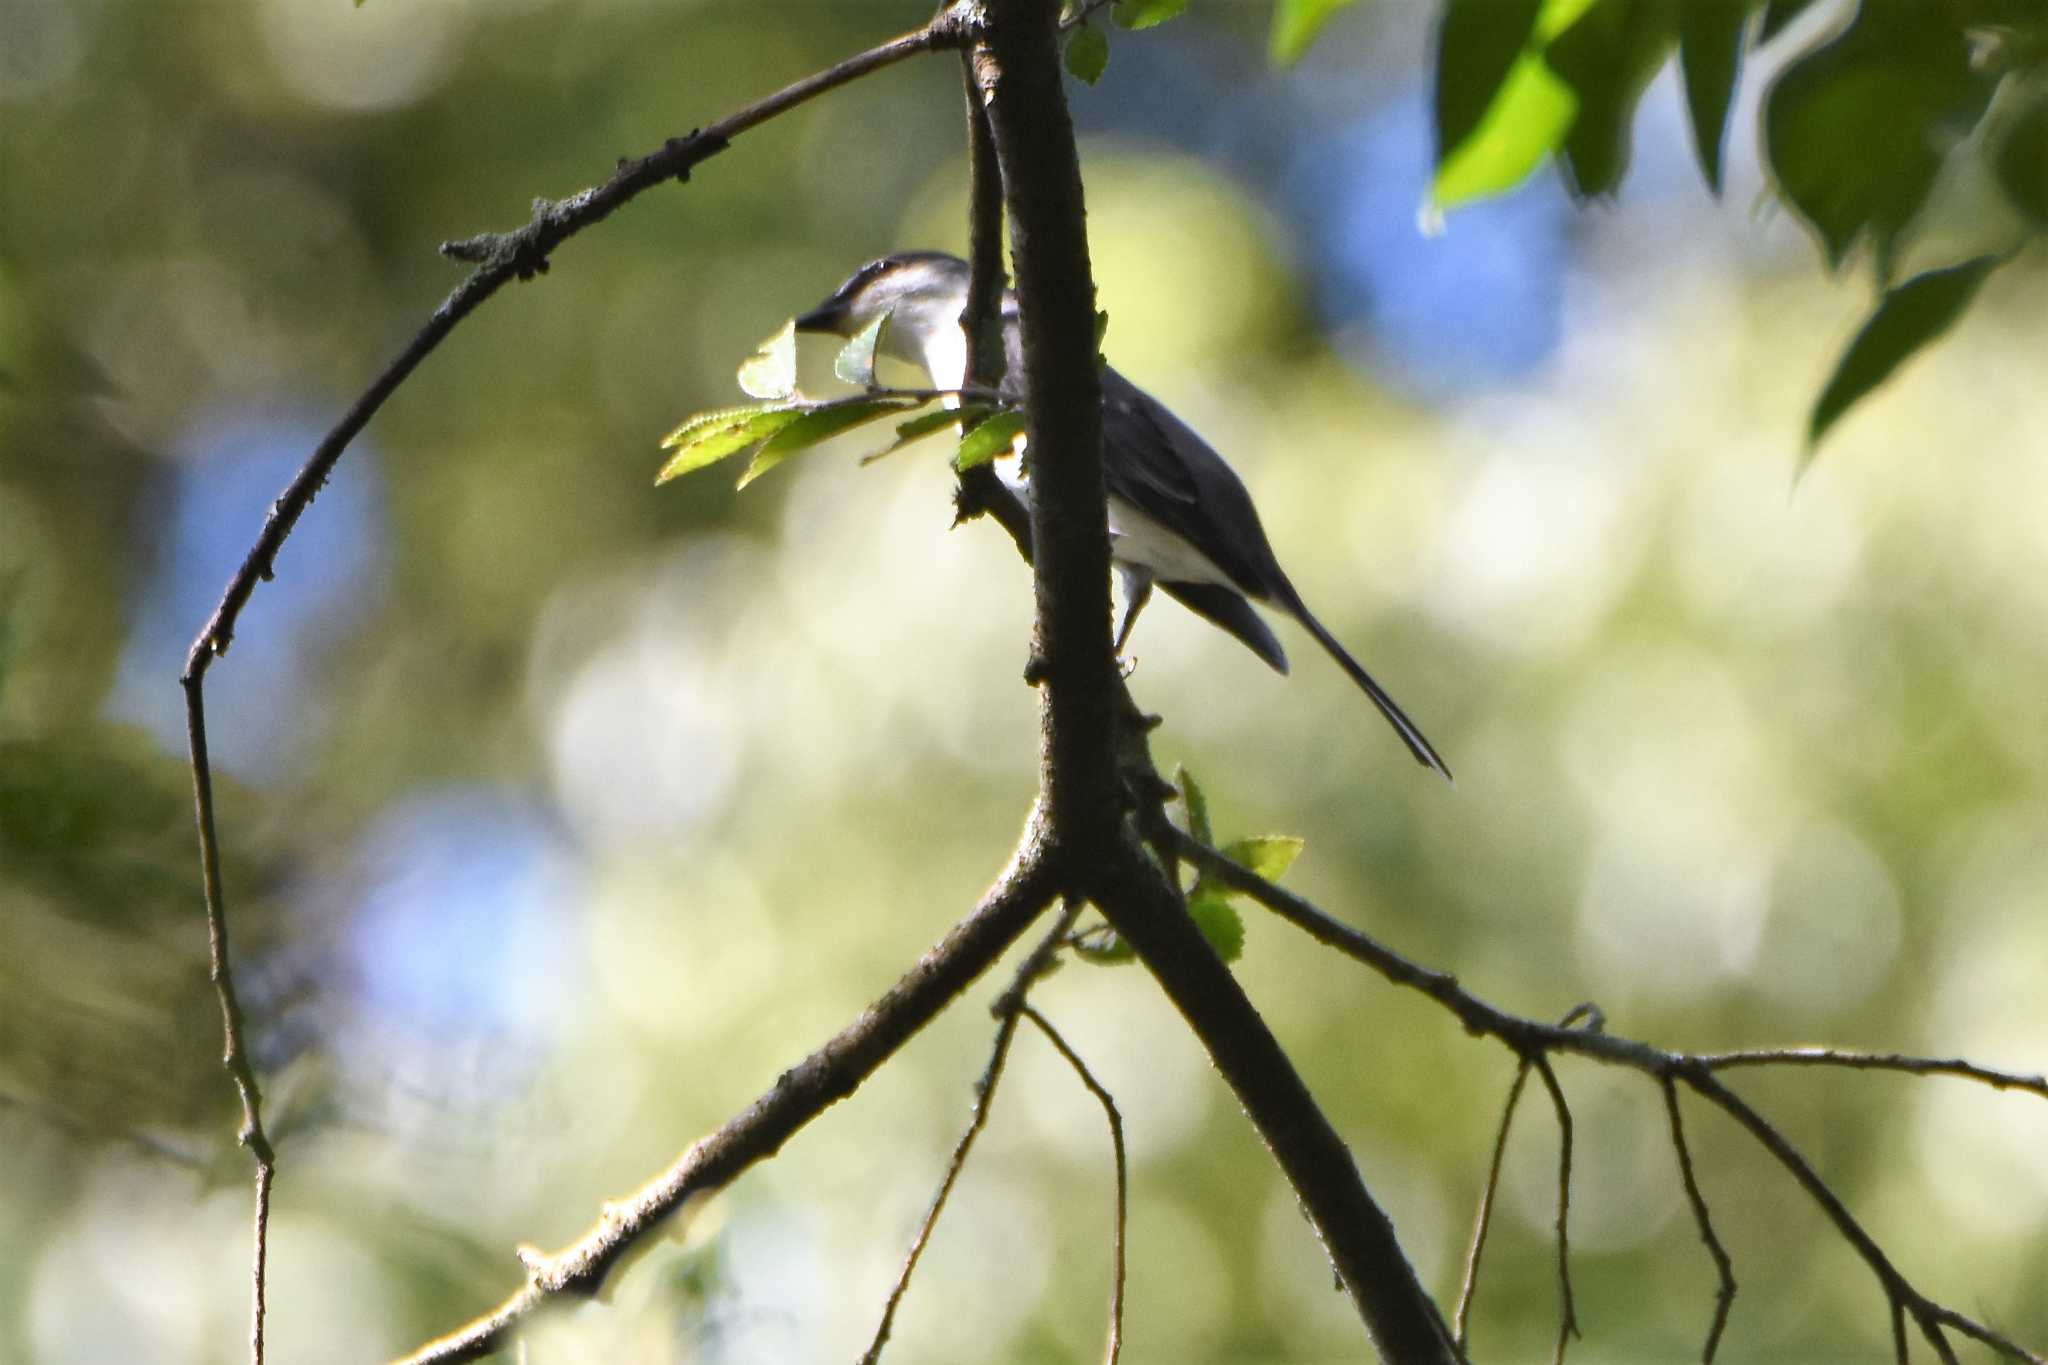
(1523, 127)
(1512, 116)
(1907, 318)
(1607, 57)
(1136, 14)
(855, 363)
(770, 372)
(1197, 802)
(1220, 923)
(1267, 855)
(1710, 57)
(1855, 130)
(699, 442)
(819, 424)
(1478, 43)
(988, 439)
(923, 425)
(1296, 24)
(2022, 161)
(1088, 54)
(697, 423)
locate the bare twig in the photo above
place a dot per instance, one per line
(1483, 1223)
(1876, 1061)
(1530, 1037)
(1005, 1009)
(1724, 1267)
(1114, 1350)
(830, 1074)
(1567, 1311)
(234, 1052)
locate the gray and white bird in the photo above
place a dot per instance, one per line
(1178, 515)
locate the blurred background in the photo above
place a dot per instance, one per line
(563, 813)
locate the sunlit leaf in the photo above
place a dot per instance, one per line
(1267, 855)
(1296, 24)
(1906, 319)
(1524, 126)
(820, 424)
(1710, 56)
(1511, 124)
(1855, 130)
(1088, 54)
(1608, 57)
(925, 424)
(2022, 161)
(770, 372)
(855, 363)
(1197, 802)
(1220, 923)
(1478, 43)
(1135, 14)
(988, 440)
(709, 443)
(698, 423)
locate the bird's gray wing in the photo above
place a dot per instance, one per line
(1229, 611)
(1154, 461)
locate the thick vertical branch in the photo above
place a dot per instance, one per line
(1356, 1232)
(1016, 66)
(1018, 71)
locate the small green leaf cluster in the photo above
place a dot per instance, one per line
(1209, 901)
(1859, 127)
(785, 422)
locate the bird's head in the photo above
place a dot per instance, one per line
(923, 292)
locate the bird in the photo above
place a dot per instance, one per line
(1178, 514)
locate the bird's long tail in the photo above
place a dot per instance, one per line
(1418, 744)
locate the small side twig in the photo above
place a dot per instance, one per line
(832, 1072)
(1724, 1266)
(1483, 1223)
(1006, 1009)
(1114, 1350)
(1567, 1311)
(1851, 1060)
(1527, 1037)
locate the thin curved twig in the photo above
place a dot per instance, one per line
(1567, 1308)
(1006, 1009)
(1468, 1290)
(1724, 1266)
(1115, 1348)
(499, 258)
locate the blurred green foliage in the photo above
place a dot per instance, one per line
(1743, 767)
(1861, 124)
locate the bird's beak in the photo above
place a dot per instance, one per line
(829, 316)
